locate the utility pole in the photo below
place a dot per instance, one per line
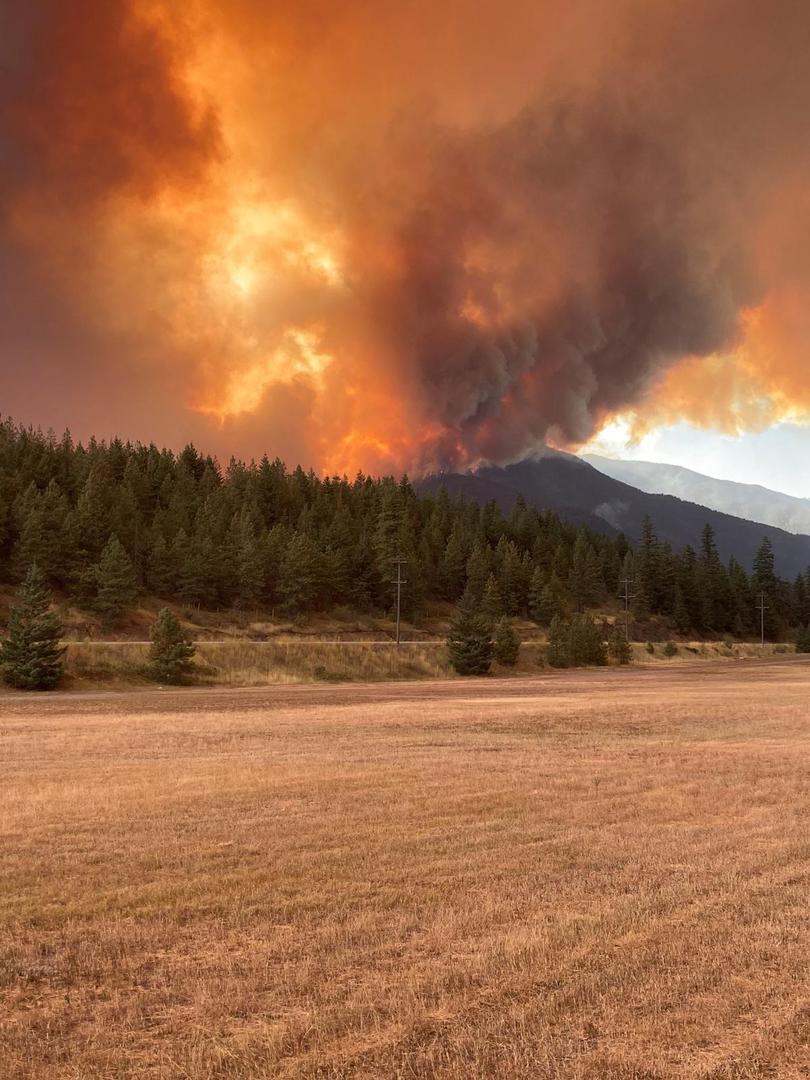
(399, 581)
(627, 596)
(762, 607)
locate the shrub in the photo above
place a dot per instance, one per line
(650, 648)
(171, 655)
(619, 647)
(671, 649)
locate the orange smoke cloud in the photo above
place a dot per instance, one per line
(401, 236)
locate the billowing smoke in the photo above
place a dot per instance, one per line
(402, 235)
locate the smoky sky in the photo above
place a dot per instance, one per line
(398, 236)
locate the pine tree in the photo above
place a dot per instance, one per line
(586, 643)
(491, 603)
(558, 643)
(31, 656)
(765, 584)
(680, 614)
(584, 579)
(453, 564)
(116, 582)
(803, 640)
(160, 568)
(513, 588)
(299, 578)
(249, 563)
(552, 602)
(171, 654)
(764, 575)
(469, 640)
(648, 560)
(505, 645)
(537, 586)
(477, 572)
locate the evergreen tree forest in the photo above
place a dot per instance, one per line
(105, 522)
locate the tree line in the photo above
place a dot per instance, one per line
(106, 521)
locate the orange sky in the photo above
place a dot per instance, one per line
(402, 235)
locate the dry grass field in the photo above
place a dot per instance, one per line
(119, 664)
(590, 875)
(265, 663)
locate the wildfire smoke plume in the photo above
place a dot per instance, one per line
(402, 235)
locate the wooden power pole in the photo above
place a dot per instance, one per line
(762, 607)
(399, 581)
(627, 596)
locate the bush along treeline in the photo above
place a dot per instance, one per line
(107, 521)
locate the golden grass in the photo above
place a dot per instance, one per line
(119, 664)
(263, 663)
(589, 876)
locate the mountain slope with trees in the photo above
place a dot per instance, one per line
(575, 489)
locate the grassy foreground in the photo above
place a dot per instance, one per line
(595, 876)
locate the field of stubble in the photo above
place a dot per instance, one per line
(597, 875)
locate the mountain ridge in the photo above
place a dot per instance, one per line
(753, 502)
(575, 489)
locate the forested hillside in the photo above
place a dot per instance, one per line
(108, 521)
(579, 492)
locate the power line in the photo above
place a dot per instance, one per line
(762, 607)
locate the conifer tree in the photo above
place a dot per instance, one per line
(505, 643)
(558, 643)
(803, 640)
(160, 569)
(680, 614)
(477, 572)
(249, 564)
(584, 574)
(299, 578)
(551, 601)
(513, 589)
(491, 603)
(31, 656)
(116, 582)
(586, 643)
(764, 583)
(537, 586)
(171, 653)
(648, 568)
(619, 647)
(453, 565)
(469, 640)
